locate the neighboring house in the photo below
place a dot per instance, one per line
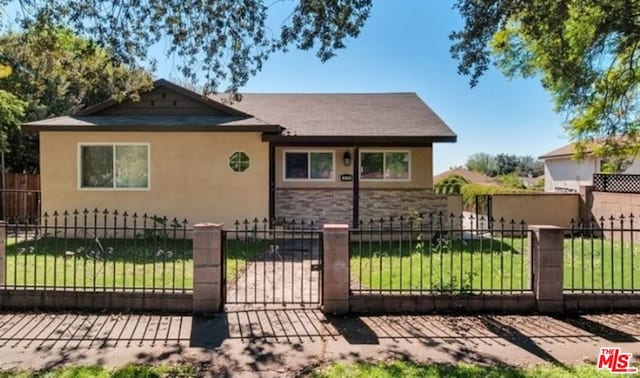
(562, 173)
(471, 176)
(175, 153)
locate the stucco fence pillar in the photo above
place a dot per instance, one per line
(207, 268)
(547, 258)
(335, 273)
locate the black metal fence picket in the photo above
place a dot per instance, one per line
(439, 253)
(99, 251)
(602, 256)
(272, 265)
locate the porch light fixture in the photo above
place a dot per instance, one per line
(346, 159)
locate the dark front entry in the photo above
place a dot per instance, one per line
(272, 265)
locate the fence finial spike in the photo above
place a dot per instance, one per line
(65, 213)
(75, 212)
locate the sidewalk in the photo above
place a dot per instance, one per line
(284, 342)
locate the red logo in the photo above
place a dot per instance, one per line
(615, 361)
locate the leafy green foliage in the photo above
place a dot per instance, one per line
(450, 185)
(482, 162)
(227, 41)
(11, 112)
(584, 52)
(57, 73)
(504, 164)
(470, 191)
(511, 181)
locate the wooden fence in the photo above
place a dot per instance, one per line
(20, 197)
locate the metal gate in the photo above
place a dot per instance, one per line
(484, 211)
(272, 265)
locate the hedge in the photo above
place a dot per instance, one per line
(470, 191)
(450, 184)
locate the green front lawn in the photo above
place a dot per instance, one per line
(499, 264)
(598, 264)
(139, 263)
(393, 369)
(410, 369)
(450, 265)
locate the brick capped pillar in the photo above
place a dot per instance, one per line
(335, 273)
(547, 249)
(207, 268)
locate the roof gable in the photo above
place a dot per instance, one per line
(165, 99)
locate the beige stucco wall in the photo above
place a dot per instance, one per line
(454, 204)
(537, 209)
(421, 167)
(189, 176)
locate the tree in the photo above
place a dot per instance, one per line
(506, 164)
(584, 52)
(11, 112)
(57, 73)
(225, 39)
(527, 165)
(482, 162)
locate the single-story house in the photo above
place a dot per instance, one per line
(175, 153)
(563, 173)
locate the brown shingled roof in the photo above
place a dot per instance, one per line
(362, 115)
(471, 176)
(377, 118)
(564, 151)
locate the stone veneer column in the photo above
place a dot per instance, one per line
(335, 274)
(207, 268)
(547, 247)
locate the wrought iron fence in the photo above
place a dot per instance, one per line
(439, 253)
(280, 264)
(99, 251)
(616, 183)
(602, 256)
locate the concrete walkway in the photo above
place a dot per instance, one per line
(288, 342)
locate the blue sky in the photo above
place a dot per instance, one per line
(405, 48)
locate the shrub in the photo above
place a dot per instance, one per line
(511, 181)
(470, 191)
(450, 185)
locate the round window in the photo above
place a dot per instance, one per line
(239, 161)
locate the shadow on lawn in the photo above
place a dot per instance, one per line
(445, 243)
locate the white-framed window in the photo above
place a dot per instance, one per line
(309, 165)
(385, 165)
(113, 166)
(239, 161)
